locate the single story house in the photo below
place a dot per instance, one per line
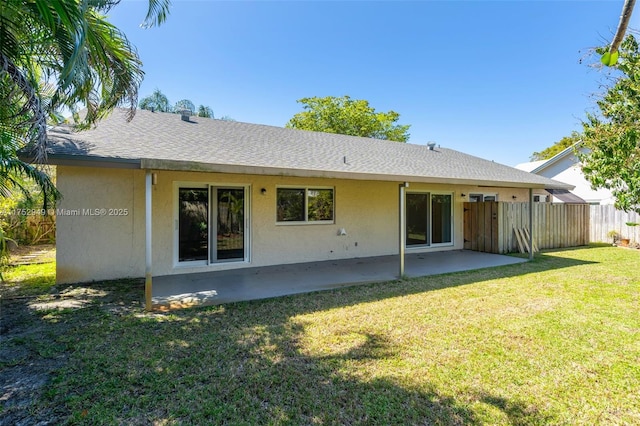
(565, 167)
(162, 195)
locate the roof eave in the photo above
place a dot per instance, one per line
(91, 161)
(188, 166)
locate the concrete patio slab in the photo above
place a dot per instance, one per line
(208, 288)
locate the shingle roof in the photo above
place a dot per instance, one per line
(164, 141)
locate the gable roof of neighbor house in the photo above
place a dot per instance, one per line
(530, 166)
(162, 141)
(537, 167)
(559, 156)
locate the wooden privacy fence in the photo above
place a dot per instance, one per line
(605, 219)
(481, 227)
(489, 226)
(30, 229)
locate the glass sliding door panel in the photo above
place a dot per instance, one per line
(441, 219)
(230, 224)
(193, 227)
(417, 206)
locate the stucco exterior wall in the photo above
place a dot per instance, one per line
(95, 244)
(104, 246)
(366, 210)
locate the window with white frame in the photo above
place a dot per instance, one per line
(304, 205)
(478, 198)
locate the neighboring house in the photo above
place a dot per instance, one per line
(229, 195)
(565, 167)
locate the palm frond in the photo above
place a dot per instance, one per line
(13, 171)
(36, 126)
(56, 53)
(157, 13)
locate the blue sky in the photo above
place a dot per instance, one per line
(499, 80)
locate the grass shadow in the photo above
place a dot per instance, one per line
(222, 366)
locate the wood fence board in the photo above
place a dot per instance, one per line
(519, 240)
(467, 236)
(605, 218)
(480, 226)
(494, 227)
(527, 235)
(555, 225)
(487, 227)
(474, 226)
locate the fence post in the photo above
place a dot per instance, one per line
(530, 223)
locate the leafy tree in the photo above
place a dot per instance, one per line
(613, 135)
(157, 101)
(60, 53)
(348, 116)
(205, 111)
(184, 104)
(226, 118)
(557, 147)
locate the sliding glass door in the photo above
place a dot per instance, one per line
(429, 219)
(211, 224)
(441, 223)
(193, 224)
(229, 212)
(417, 219)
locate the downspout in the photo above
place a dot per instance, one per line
(147, 240)
(530, 223)
(403, 226)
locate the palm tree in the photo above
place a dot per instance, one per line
(61, 53)
(53, 54)
(157, 101)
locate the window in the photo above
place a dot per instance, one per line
(291, 205)
(304, 205)
(478, 198)
(429, 219)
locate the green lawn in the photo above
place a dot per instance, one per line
(29, 280)
(554, 341)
